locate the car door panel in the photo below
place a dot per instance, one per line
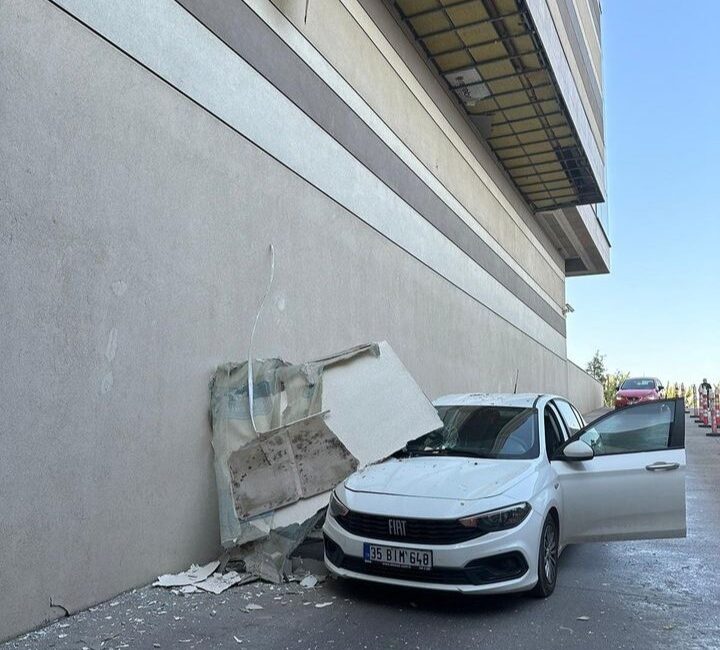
(634, 487)
(615, 497)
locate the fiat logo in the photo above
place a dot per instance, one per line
(396, 527)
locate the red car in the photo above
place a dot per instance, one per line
(638, 389)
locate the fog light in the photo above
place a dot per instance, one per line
(497, 568)
(333, 551)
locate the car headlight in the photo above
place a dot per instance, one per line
(337, 508)
(501, 519)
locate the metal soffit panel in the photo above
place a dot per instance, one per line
(491, 57)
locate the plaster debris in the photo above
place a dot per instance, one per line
(251, 607)
(205, 578)
(194, 574)
(321, 605)
(217, 583)
(583, 618)
(309, 582)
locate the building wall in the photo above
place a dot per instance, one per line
(380, 63)
(583, 390)
(146, 168)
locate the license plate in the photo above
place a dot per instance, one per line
(408, 558)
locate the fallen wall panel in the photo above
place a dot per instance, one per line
(354, 408)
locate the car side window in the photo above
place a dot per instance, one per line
(553, 433)
(568, 414)
(580, 418)
(639, 428)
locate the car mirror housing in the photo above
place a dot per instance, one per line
(578, 450)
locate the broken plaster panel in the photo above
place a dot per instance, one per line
(263, 476)
(287, 464)
(322, 460)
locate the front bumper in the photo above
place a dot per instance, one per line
(470, 567)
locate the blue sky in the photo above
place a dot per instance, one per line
(658, 312)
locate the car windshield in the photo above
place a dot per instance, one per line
(480, 431)
(638, 384)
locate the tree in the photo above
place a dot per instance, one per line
(596, 367)
(611, 384)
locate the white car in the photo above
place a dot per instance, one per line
(487, 503)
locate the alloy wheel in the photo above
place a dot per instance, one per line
(550, 553)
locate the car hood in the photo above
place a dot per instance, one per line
(445, 477)
(636, 392)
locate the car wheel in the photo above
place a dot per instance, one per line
(547, 559)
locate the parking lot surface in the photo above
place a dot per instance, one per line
(654, 594)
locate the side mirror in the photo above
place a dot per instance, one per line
(578, 450)
(661, 388)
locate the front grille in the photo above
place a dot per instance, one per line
(497, 568)
(417, 531)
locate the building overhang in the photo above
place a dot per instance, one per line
(491, 56)
(579, 237)
(504, 63)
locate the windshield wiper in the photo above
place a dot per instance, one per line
(462, 452)
(406, 453)
(440, 452)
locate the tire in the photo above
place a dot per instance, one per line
(547, 559)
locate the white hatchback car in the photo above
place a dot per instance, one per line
(487, 503)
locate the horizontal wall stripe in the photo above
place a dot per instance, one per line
(243, 31)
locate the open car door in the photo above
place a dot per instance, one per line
(626, 477)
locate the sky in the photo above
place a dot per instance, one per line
(658, 311)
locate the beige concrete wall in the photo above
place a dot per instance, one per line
(583, 390)
(134, 234)
(359, 50)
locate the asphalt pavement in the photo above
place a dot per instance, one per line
(655, 594)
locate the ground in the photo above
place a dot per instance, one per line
(663, 593)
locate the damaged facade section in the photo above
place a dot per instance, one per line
(279, 453)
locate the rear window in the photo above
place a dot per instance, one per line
(638, 384)
(481, 431)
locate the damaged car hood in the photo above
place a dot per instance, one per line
(442, 477)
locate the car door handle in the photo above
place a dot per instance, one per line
(662, 467)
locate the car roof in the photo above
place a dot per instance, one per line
(521, 400)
